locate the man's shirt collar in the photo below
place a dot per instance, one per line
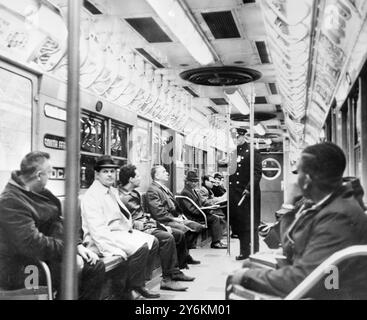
(102, 188)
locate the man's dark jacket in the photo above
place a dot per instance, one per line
(164, 208)
(311, 238)
(189, 209)
(30, 230)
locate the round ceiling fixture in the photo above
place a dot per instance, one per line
(259, 116)
(221, 76)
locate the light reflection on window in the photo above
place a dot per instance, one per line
(118, 140)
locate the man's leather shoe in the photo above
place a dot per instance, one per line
(182, 277)
(172, 285)
(190, 260)
(146, 293)
(241, 257)
(218, 245)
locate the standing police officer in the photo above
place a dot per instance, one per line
(239, 186)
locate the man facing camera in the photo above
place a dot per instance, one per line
(129, 179)
(108, 229)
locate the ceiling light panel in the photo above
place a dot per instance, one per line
(180, 23)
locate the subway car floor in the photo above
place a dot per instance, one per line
(210, 275)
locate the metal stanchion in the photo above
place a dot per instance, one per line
(228, 126)
(252, 167)
(69, 280)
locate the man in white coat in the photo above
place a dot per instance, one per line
(108, 230)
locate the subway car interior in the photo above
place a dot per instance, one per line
(172, 83)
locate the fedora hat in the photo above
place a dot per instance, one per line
(105, 162)
(192, 176)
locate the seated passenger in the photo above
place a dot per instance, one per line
(327, 219)
(218, 185)
(164, 208)
(108, 230)
(206, 190)
(31, 229)
(129, 179)
(214, 222)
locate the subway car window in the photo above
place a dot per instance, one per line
(15, 121)
(92, 134)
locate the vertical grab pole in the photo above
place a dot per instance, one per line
(69, 278)
(252, 166)
(228, 130)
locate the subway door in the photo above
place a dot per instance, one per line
(271, 185)
(51, 138)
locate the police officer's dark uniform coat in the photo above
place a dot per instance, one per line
(240, 217)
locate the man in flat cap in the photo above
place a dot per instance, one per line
(108, 229)
(239, 187)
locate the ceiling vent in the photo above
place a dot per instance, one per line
(221, 24)
(260, 100)
(91, 8)
(221, 76)
(149, 58)
(273, 88)
(219, 101)
(149, 29)
(259, 116)
(192, 92)
(263, 51)
(213, 110)
(248, 1)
